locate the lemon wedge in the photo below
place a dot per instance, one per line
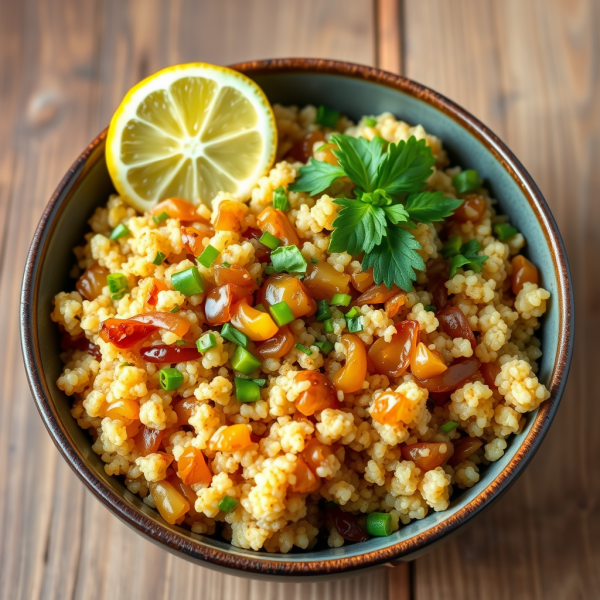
(190, 131)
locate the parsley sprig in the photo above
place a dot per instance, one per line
(463, 255)
(389, 202)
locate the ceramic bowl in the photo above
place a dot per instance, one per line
(354, 90)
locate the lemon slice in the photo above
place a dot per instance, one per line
(190, 131)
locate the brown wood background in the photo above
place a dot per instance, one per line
(530, 69)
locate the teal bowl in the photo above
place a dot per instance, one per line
(354, 90)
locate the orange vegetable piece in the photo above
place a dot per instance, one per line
(233, 438)
(392, 358)
(193, 468)
(350, 377)
(316, 454)
(257, 325)
(90, 284)
(177, 208)
(185, 490)
(171, 504)
(306, 481)
(277, 346)
(184, 409)
(217, 307)
(394, 304)
(523, 271)
(428, 455)
(238, 277)
(426, 363)
(377, 294)
(302, 150)
(472, 209)
(125, 333)
(157, 286)
(392, 407)
(283, 287)
(320, 395)
(323, 281)
(230, 215)
(123, 409)
(191, 238)
(148, 440)
(463, 448)
(277, 223)
(363, 281)
(325, 154)
(453, 377)
(164, 320)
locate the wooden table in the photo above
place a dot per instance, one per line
(530, 69)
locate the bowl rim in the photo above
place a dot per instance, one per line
(261, 563)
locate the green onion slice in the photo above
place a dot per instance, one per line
(189, 281)
(206, 342)
(244, 362)
(328, 325)
(170, 379)
(119, 231)
(280, 200)
(228, 504)
(282, 314)
(326, 347)
(355, 325)
(353, 312)
(504, 231)
(370, 122)
(208, 256)
(246, 390)
(175, 309)
(229, 332)
(328, 117)
(323, 310)
(304, 349)
(379, 524)
(159, 258)
(341, 300)
(269, 240)
(117, 285)
(449, 426)
(160, 218)
(467, 181)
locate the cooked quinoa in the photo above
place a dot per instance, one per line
(143, 432)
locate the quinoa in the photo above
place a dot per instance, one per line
(402, 466)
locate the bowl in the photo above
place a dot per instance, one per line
(354, 90)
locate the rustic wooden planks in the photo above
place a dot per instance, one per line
(530, 71)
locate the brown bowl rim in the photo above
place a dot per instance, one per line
(182, 544)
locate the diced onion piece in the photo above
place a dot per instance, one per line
(170, 503)
(426, 363)
(324, 281)
(192, 467)
(257, 325)
(392, 358)
(232, 438)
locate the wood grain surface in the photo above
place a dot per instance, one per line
(530, 70)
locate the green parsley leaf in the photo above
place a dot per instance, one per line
(405, 167)
(468, 257)
(470, 248)
(288, 259)
(395, 259)
(396, 213)
(358, 227)
(427, 207)
(316, 177)
(359, 159)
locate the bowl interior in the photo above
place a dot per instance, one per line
(91, 185)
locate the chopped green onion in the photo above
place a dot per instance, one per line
(170, 379)
(175, 309)
(323, 310)
(244, 362)
(159, 258)
(282, 314)
(288, 259)
(160, 218)
(328, 326)
(430, 308)
(379, 524)
(259, 382)
(326, 347)
(260, 307)
(117, 285)
(229, 332)
(449, 426)
(180, 342)
(188, 282)
(370, 122)
(452, 247)
(269, 270)
(353, 313)
(314, 261)
(246, 390)
(341, 300)
(226, 264)
(328, 117)
(504, 231)
(304, 349)
(228, 504)
(119, 231)
(466, 181)
(355, 324)
(208, 256)
(206, 342)
(269, 240)
(280, 200)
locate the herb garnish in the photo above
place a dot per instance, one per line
(463, 256)
(389, 202)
